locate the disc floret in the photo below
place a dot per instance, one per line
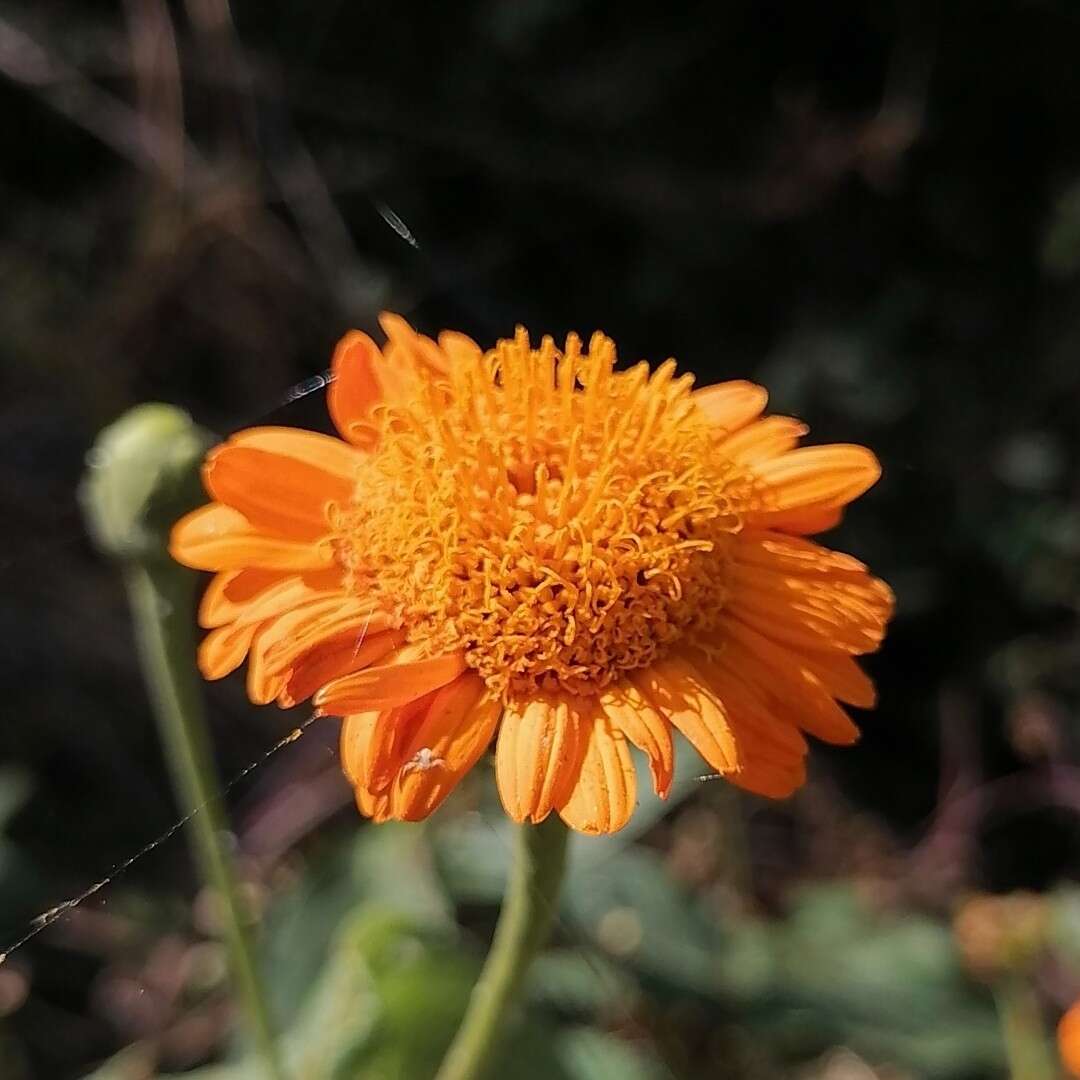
(558, 521)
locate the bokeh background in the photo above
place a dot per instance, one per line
(872, 208)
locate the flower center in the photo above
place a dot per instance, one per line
(558, 521)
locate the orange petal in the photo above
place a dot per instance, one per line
(323, 452)
(389, 684)
(538, 755)
(630, 713)
(335, 658)
(294, 592)
(263, 682)
(864, 602)
(223, 650)
(271, 490)
(679, 691)
(294, 632)
(355, 743)
(764, 439)
(453, 734)
(842, 677)
(425, 356)
(282, 640)
(374, 806)
(605, 792)
(229, 593)
(217, 537)
(356, 732)
(782, 677)
(389, 741)
(765, 774)
(355, 389)
(793, 591)
(809, 619)
(771, 751)
(728, 406)
(748, 709)
(797, 629)
(457, 347)
(810, 521)
(813, 477)
(363, 376)
(779, 553)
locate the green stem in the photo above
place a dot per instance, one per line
(528, 909)
(1027, 1045)
(142, 474)
(161, 597)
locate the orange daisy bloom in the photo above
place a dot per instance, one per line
(527, 547)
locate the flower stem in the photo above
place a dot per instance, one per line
(161, 603)
(528, 909)
(1027, 1046)
(142, 475)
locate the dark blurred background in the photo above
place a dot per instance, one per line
(874, 209)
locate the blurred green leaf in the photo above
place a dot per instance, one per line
(390, 864)
(386, 1006)
(634, 911)
(587, 1054)
(888, 985)
(472, 854)
(572, 981)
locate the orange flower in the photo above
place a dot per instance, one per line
(1068, 1037)
(524, 545)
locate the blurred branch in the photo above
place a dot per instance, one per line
(158, 89)
(142, 141)
(146, 143)
(961, 813)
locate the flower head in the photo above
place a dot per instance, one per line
(527, 547)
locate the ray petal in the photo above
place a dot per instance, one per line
(334, 658)
(680, 693)
(394, 682)
(763, 439)
(284, 494)
(230, 592)
(605, 791)
(818, 478)
(324, 452)
(217, 537)
(729, 406)
(355, 390)
(538, 755)
(451, 738)
(631, 713)
(223, 650)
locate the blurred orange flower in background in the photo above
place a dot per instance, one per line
(527, 547)
(1068, 1036)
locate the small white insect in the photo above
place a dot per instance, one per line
(423, 760)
